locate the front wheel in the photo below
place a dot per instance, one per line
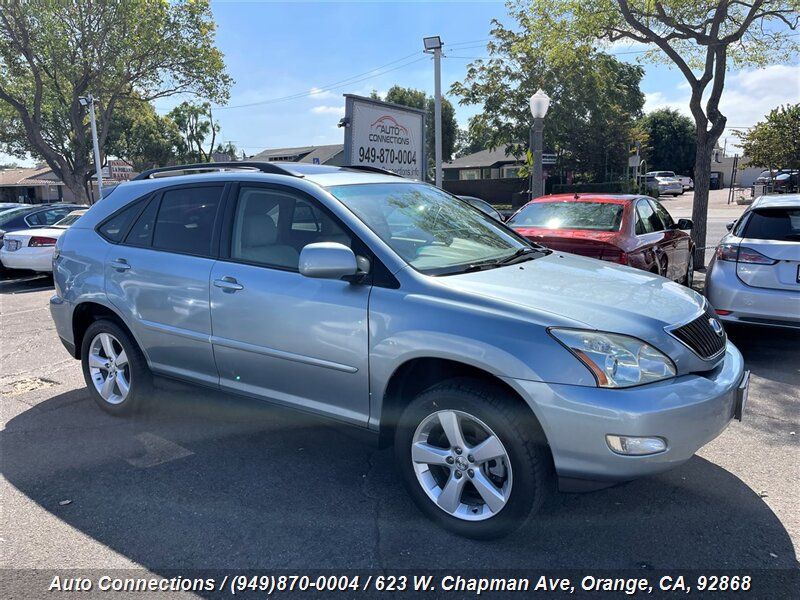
(472, 458)
(114, 368)
(688, 280)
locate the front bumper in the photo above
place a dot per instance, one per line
(751, 305)
(34, 259)
(688, 412)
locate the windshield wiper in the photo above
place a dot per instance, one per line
(522, 252)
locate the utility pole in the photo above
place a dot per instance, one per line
(98, 166)
(433, 45)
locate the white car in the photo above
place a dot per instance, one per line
(663, 186)
(754, 276)
(32, 249)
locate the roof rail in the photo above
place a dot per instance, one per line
(264, 167)
(371, 169)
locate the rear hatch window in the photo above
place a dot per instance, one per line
(779, 224)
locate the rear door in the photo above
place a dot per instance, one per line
(676, 242)
(277, 334)
(650, 236)
(158, 277)
(775, 233)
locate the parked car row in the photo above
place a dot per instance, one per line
(28, 233)
(780, 181)
(393, 306)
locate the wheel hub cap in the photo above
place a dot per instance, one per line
(108, 368)
(461, 465)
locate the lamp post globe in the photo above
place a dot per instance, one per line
(539, 103)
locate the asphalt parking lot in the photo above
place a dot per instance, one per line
(201, 480)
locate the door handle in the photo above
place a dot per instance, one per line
(120, 264)
(228, 284)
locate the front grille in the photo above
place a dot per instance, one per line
(700, 336)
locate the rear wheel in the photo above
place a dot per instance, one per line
(470, 458)
(114, 368)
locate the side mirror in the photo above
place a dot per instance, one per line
(730, 225)
(685, 224)
(327, 260)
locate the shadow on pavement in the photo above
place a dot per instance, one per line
(204, 481)
(20, 282)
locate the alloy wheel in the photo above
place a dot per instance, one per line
(109, 369)
(461, 465)
(690, 272)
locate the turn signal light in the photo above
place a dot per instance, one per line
(38, 242)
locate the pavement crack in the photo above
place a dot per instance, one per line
(365, 490)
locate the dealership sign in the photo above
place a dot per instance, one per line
(388, 136)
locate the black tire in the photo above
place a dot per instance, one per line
(138, 373)
(517, 429)
(688, 279)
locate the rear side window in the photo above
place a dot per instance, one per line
(141, 234)
(663, 215)
(47, 217)
(114, 229)
(647, 221)
(781, 224)
(185, 221)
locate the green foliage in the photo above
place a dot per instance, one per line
(196, 123)
(671, 141)
(418, 99)
(775, 142)
(145, 139)
(594, 97)
(52, 52)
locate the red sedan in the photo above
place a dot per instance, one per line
(630, 230)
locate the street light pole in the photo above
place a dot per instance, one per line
(98, 166)
(539, 102)
(434, 45)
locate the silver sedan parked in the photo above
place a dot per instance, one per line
(754, 276)
(489, 362)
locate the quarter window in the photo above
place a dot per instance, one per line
(185, 221)
(141, 234)
(114, 229)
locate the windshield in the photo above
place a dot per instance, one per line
(8, 215)
(431, 230)
(595, 216)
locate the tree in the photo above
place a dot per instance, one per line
(418, 99)
(145, 139)
(775, 142)
(53, 53)
(702, 38)
(474, 138)
(196, 124)
(594, 98)
(671, 142)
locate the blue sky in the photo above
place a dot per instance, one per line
(279, 49)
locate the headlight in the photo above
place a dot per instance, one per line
(616, 360)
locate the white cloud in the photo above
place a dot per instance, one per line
(328, 110)
(748, 95)
(319, 94)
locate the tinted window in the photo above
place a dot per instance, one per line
(185, 220)
(47, 217)
(647, 221)
(781, 224)
(595, 216)
(114, 228)
(12, 214)
(664, 217)
(141, 234)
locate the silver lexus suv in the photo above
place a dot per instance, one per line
(493, 365)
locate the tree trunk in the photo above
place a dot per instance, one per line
(702, 181)
(76, 186)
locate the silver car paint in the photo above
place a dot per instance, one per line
(763, 292)
(332, 347)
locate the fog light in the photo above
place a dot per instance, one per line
(636, 446)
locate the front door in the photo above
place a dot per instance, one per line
(277, 334)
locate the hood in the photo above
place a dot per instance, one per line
(591, 293)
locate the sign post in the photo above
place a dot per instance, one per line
(385, 135)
